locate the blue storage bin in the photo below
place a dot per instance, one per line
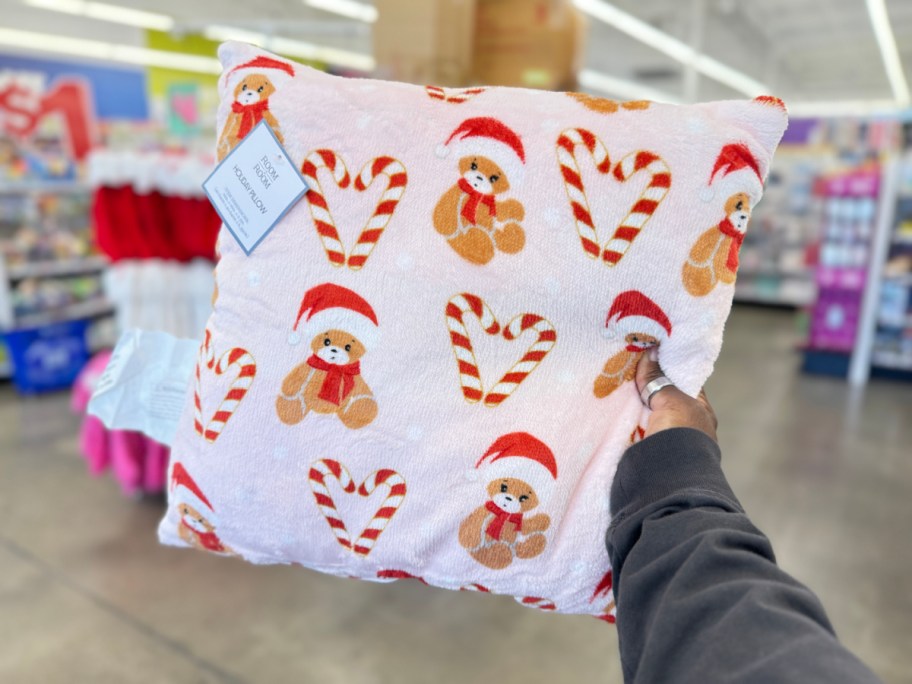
(48, 357)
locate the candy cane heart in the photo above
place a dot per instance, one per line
(364, 544)
(659, 181)
(469, 376)
(235, 357)
(325, 223)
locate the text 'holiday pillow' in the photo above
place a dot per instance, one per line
(426, 368)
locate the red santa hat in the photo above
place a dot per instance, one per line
(487, 137)
(185, 491)
(634, 312)
(538, 467)
(771, 101)
(735, 170)
(327, 306)
(275, 69)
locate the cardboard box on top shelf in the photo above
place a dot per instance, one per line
(527, 43)
(424, 41)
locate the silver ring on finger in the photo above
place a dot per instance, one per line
(652, 387)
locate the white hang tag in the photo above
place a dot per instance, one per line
(144, 385)
(254, 187)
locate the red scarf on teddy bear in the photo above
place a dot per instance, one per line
(251, 115)
(470, 208)
(336, 377)
(501, 518)
(209, 540)
(727, 228)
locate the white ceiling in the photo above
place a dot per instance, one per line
(804, 50)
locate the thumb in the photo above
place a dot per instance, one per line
(648, 369)
(670, 406)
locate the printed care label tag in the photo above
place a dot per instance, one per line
(144, 385)
(254, 187)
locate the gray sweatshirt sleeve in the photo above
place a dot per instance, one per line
(699, 595)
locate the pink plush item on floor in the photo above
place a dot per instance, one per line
(138, 463)
(426, 369)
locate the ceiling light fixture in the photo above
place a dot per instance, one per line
(105, 12)
(619, 87)
(293, 48)
(671, 46)
(163, 22)
(101, 50)
(886, 41)
(346, 8)
(842, 108)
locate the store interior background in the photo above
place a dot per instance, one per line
(107, 118)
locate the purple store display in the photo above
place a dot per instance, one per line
(849, 214)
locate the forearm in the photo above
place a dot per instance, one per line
(700, 598)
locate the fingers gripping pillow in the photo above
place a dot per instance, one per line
(426, 369)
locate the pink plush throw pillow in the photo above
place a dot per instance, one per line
(426, 368)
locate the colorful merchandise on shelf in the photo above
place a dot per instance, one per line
(861, 322)
(778, 251)
(893, 339)
(48, 276)
(138, 463)
(850, 207)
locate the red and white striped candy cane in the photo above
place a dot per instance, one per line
(453, 95)
(547, 336)
(645, 206)
(457, 307)
(567, 142)
(435, 92)
(536, 602)
(319, 210)
(319, 470)
(238, 389)
(386, 205)
(641, 211)
(365, 543)
(393, 575)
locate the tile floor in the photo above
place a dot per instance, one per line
(87, 595)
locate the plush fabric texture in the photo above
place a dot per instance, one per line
(426, 369)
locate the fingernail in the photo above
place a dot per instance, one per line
(653, 354)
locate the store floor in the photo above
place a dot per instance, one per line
(87, 595)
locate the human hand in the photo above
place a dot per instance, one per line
(672, 408)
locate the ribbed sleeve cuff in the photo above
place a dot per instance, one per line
(667, 462)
